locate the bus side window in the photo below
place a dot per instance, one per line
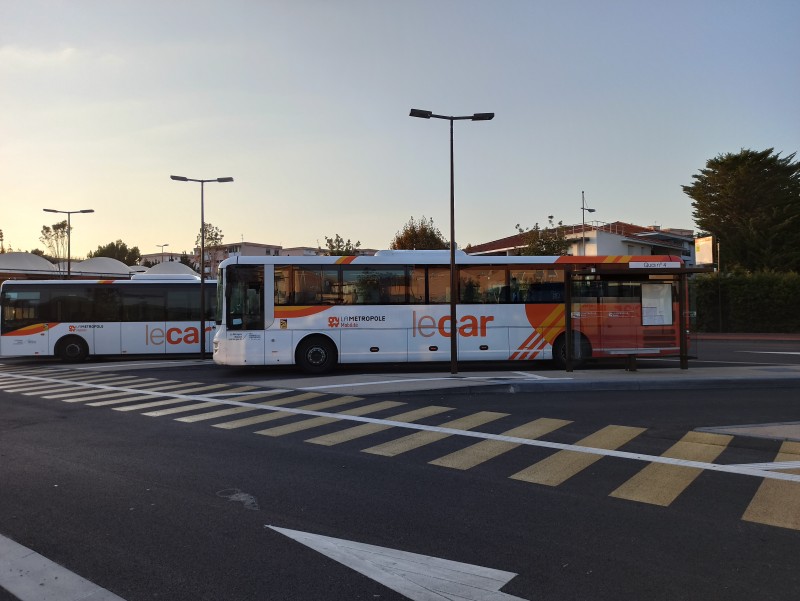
(107, 304)
(438, 285)
(283, 280)
(416, 285)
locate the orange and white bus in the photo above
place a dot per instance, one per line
(394, 307)
(74, 319)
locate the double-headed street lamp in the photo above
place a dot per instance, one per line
(69, 232)
(222, 180)
(584, 210)
(453, 275)
(161, 246)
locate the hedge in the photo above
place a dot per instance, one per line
(746, 302)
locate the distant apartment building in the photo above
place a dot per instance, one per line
(160, 257)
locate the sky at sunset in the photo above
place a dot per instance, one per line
(305, 103)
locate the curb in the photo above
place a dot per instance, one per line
(606, 386)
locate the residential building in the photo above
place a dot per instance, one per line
(598, 238)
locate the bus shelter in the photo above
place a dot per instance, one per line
(629, 309)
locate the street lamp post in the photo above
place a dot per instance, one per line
(180, 178)
(584, 210)
(453, 275)
(69, 232)
(161, 246)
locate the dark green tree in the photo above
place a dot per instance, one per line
(750, 201)
(118, 250)
(548, 241)
(186, 260)
(339, 248)
(419, 235)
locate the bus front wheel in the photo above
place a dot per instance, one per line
(316, 355)
(72, 349)
(581, 351)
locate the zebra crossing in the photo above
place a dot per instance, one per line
(268, 412)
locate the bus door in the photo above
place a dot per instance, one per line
(107, 332)
(144, 327)
(249, 310)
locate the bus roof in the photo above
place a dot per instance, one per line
(136, 280)
(442, 257)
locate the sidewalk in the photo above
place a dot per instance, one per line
(743, 336)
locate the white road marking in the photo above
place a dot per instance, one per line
(486, 379)
(417, 577)
(742, 470)
(32, 577)
(777, 465)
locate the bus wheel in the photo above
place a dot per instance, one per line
(316, 355)
(580, 352)
(72, 349)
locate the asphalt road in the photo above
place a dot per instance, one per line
(160, 502)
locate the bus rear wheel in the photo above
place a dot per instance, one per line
(580, 351)
(316, 355)
(72, 349)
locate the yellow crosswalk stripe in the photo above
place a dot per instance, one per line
(660, 483)
(273, 415)
(777, 502)
(480, 452)
(315, 422)
(367, 429)
(196, 406)
(419, 439)
(562, 465)
(207, 415)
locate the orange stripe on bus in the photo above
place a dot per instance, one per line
(302, 311)
(31, 330)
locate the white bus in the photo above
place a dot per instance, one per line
(394, 307)
(74, 319)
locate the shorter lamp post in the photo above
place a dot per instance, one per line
(69, 233)
(161, 246)
(222, 180)
(584, 210)
(453, 276)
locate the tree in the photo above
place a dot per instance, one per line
(56, 239)
(213, 240)
(213, 236)
(750, 201)
(419, 235)
(118, 250)
(185, 260)
(339, 248)
(549, 241)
